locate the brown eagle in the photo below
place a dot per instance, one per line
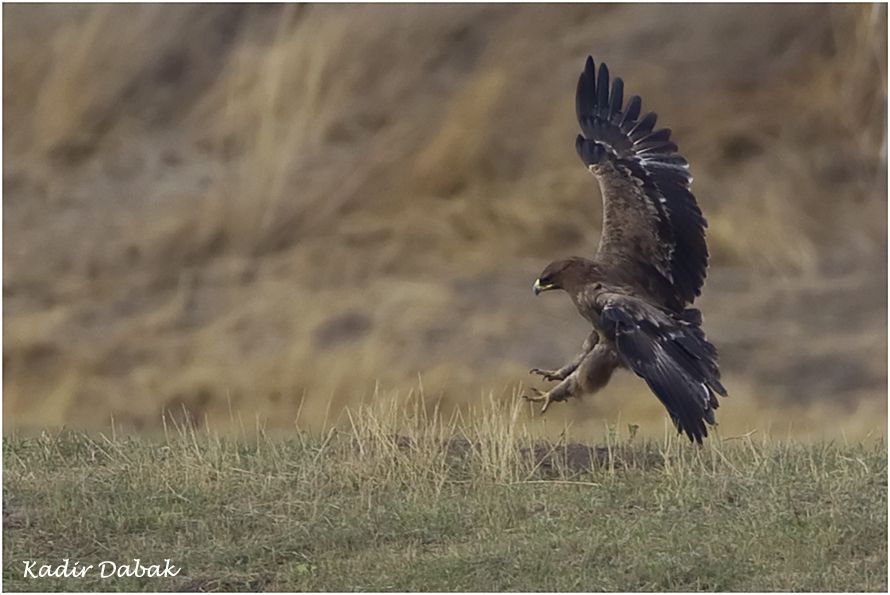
(650, 265)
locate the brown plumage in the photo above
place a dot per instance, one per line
(650, 265)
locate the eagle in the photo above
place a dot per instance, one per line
(650, 265)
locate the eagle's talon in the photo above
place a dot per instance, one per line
(540, 395)
(549, 375)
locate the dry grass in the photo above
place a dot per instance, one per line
(263, 209)
(409, 500)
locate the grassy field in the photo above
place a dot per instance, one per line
(446, 507)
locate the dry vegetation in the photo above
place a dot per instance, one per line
(275, 209)
(403, 500)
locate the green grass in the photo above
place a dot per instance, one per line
(359, 510)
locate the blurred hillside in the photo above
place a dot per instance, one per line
(277, 211)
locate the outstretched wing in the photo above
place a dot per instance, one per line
(650, 218)
(671, 353)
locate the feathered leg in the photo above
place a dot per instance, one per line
(590, 375)
(564, 372)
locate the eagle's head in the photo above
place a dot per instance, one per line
(567, 274)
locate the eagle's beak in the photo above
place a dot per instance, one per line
(538, 288)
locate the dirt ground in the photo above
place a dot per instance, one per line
(273, 212)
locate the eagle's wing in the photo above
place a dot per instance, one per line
(670, 352)
(650, 218)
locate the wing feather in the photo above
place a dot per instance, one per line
(632, 112)
(615, 100)
(602, 92)
(671, 353)
(643, 127)
(650, 217)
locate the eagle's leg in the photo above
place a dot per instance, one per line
(590, 375)
(564, 372)
(562, 391)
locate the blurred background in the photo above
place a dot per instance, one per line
(273, 212)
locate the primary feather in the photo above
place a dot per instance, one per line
(650, 214)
